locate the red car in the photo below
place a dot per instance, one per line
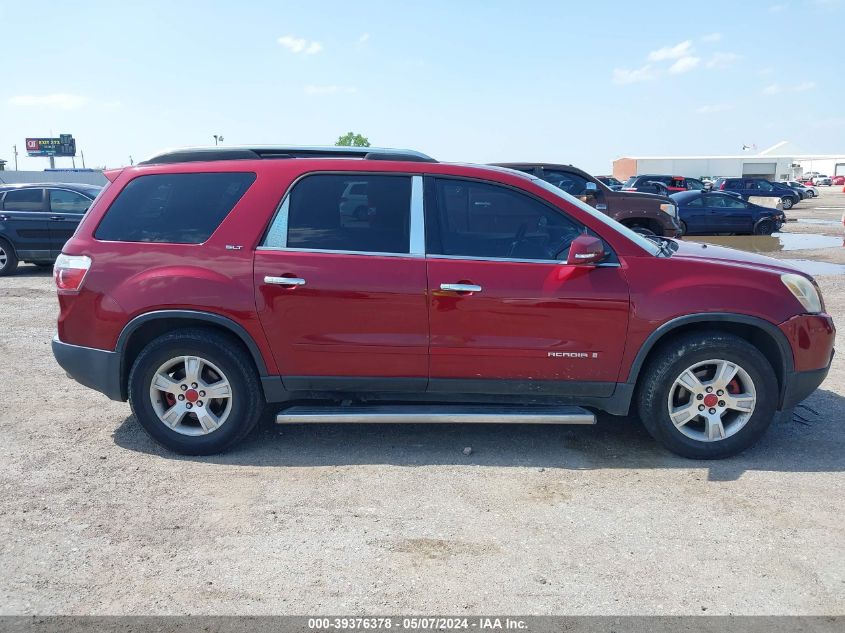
(204, 284)
(837, 180)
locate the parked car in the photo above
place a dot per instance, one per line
(647, 183)
(204, 284)
(821, 179)
(646, 213)
(837, 180)
(797, 187)
(750, 186)
(610, 182)
(37, 219)
(703, 212)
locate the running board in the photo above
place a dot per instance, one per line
(442, 414)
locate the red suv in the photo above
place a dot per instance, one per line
(204, 284)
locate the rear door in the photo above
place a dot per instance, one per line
(25, 224)
(506, 315)
(342, 296)
(66, 210)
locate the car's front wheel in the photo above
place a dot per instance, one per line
(8, 259)
(707, 395)
(765, 227)
(787, 203)
(195, 392)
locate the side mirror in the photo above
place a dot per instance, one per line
(585, 250)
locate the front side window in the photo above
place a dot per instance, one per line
(173, 208)
(476, 219)
(573, 184)
(359, 213)
(63, 201)
(695, 204)
(726, 202)
(24, 200)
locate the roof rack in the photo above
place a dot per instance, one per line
(202, 154)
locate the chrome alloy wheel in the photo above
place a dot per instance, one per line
(191, 395)
(712, 400)
(3, 258)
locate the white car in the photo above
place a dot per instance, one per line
(821, 179)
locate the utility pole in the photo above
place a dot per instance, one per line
(82, 154)
(15, 153)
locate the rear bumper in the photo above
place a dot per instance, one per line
(95, 368)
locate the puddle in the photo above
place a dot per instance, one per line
(816, 268)
(773, 243)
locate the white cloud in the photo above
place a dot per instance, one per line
(712, 37)
(772, 89)
(716, 107)
(363, 39)
(671, 52)
(299, 45)
(60, 100)
(332, 89)
(722, 60)
(625, 76)
(684, 65)
(803, 87)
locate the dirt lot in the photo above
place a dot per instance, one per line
(96, 519)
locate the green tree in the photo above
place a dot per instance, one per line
(350, 139)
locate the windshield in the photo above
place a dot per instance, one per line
(643, 242)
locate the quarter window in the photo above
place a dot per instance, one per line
(24, 200)
(474, 219)
(358, 213)
(173, 208)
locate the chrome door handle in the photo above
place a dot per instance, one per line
(284, 281)
(57, 217)
(460, 287)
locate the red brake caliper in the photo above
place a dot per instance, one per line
(171, 399)
(733, 386)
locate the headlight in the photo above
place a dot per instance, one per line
(671, 209)
(803, 290)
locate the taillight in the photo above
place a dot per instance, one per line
(70, 270)
(722, 187)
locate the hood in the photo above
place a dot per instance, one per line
(732, 256)
(641, 195)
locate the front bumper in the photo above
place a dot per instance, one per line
(801, 384)
(95, 368)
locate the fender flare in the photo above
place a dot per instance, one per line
(787, 361)
(194, 315)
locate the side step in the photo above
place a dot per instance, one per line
(434, 414)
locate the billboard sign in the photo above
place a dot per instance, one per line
(64, 145)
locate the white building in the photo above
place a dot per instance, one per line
(783, 161)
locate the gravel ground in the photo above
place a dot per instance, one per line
(96, 519)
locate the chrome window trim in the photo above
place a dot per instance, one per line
(551, 262)
(416, 214)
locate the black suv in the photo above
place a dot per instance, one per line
(37, 219)
(747, 187)
(643, 212)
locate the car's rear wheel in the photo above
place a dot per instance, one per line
(195, 392)
(765, 227)
(683, 227)
(8, 259)
(709, 395)
(787, 203)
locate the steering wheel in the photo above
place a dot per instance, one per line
(518, 238)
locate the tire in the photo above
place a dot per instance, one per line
(765, 227)
(787, 203)
(660, 379)
(227, 419)
(8, 258)
(683, 228)
(810, 194)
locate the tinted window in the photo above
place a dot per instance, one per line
(694, 185)
(476, 219)
(725, 202)
(24, 200)
(347, 213)
(733, 184)
(173, 208)
(695, 204)
(630, 182)
(63, 201)
(573, 184)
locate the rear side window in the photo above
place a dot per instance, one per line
(173, 208)
(355, 212)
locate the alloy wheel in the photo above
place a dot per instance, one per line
(3, 258)
(712, 400)
(191, 396)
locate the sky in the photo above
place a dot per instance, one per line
(461, 80)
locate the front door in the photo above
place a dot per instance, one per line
(506, 316)
(341, 289)
(728, 214)
(24, 218)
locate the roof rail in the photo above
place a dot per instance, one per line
(254, 152)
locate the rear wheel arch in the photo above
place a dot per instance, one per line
(147, 327)
(765, 336)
